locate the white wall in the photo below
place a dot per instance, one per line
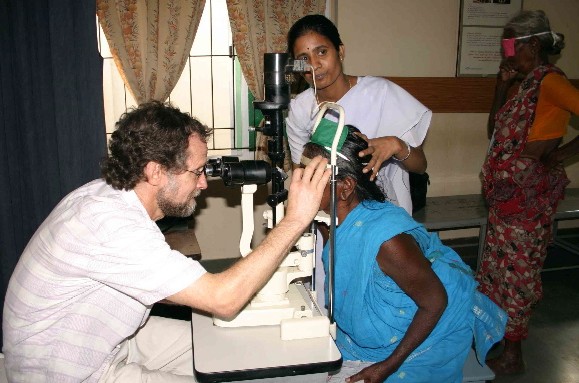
(417, 38)
(411, 38)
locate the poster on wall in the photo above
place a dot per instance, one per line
(481, 28)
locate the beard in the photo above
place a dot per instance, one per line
(175, 209)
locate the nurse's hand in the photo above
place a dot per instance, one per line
(382, 149)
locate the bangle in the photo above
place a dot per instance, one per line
(408, 155)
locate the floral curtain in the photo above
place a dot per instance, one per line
(150, 41)
(261, 26)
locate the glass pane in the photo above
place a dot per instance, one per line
(222, 152)
(181, 94)
(130, 101)
(113, 94)
(109, 94)
(98, 30)
(206, 89)
(104, 44)
(243, 137)
(222, 138)
(221, 29)
(223, 92)
(201, 94)
(202, 43)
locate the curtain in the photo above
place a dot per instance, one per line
(150, 41)
(261, 26)
(51, 114)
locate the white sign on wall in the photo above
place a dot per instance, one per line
(481, 28)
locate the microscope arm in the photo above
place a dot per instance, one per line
(248, 225)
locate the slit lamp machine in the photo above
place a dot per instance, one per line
(284, 301)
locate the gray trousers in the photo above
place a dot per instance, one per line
(159, 352)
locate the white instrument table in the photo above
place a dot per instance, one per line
(257, 353)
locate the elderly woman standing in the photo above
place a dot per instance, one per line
(523, 176)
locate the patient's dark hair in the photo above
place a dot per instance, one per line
(354, 144)
(154, 131)
(313, 23)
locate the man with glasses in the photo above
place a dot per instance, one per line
(78, 303)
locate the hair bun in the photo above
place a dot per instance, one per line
(558, 43)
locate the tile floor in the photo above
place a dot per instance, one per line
(551, 352)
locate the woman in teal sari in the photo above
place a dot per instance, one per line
(406, 306)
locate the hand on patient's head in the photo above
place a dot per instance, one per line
(350, 144)
(349, 163)
(306, 190)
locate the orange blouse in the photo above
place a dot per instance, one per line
(557, 100)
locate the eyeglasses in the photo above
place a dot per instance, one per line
(197, 172)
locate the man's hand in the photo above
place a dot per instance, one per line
(306, 190)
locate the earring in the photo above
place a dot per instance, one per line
(343, 196)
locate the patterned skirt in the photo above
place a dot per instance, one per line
(519, 230)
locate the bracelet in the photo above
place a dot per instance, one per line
(408, 155)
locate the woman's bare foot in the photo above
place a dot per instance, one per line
(510, 361)
(502, 366)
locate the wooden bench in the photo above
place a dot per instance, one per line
(470, 211)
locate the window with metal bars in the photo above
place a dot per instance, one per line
(211, 87)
